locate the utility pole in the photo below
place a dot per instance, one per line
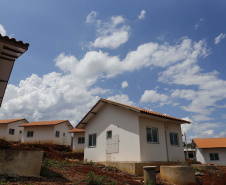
(186, 145)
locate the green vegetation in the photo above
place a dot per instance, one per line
(92, 179)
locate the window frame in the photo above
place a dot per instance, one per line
(11, 131)
(214, 157)
(30, 133)
(92, 145)
(152, 142)
(81, 140)
(173, 144)
(57, 133)
(107, 136)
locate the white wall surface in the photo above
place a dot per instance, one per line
(152, 151)
(62, 128)
(202, 155)
(3, 130)
(15, 125)
(42, 134)
(78, 147)
(175, 153)
(122, 122)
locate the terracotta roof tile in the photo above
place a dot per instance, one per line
(44, 123)
(10, 121)
(76, 130)
(14, 42)
(147, 111)
(210, 142)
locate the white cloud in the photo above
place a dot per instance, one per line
(112, 34)
(125, 84)
(153, 97)
(122, 99)
(91, 17)
(219, 38)
(142, 14)
(2, 30)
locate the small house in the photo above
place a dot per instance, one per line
(210, 150)
(55, 132)
(10, 130)
(78, 139)
(118, 133)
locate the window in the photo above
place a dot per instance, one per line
(174, 139)
(109, 134)
(214, 157)
(20, 131)
(81, 140)
(152, 134)
(57, 134)
(30, 133)
(64, 134)
(92, 140)
(11, 131)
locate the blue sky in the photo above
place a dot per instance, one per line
(165, 56)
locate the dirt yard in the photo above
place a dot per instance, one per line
(61, 166)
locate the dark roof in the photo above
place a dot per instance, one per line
(10, 50)
(135, 109)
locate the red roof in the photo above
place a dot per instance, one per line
(46, 123)
(11, 121)
(76, 130)
(210, 142)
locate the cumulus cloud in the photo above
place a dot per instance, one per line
(111, 34)
(125, 84)
(142, 14)
(91, 17)
(153, 97)
(219, 38)
(2, 30)
(122, 98)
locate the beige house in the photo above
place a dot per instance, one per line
(10, 50)
(116, 132)
(210, 150)
(78, 139)
(55, 132)
(10, 130)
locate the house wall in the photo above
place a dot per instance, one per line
(15, 125)
(122, 122)
(3, 130)
(152, 151)
(202, 155)
(175, 153)
(78, 147)
(42, 134)
(62, 140)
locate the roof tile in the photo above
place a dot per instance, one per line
(210, 142)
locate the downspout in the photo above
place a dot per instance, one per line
(167, 150)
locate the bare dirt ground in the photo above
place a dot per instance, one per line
(61, 166)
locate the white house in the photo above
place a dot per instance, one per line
(55, 132)
(210, 150)
(10, 130)
(117, 132)
(10, 50)
(78, 139)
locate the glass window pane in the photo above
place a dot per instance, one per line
(94, 139)
(175, 139)
(211, 157)
(149, 137)
(90, 140)
(171, 139)
(109, 134)
(155, 134)
(216, 156)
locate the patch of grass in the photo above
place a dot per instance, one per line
(109, 168)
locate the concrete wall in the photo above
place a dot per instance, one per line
(175, 153)
(17, 136)
(202, 155)
(122, 122)
(78, 147)
(152, 151)
(20, 163)
(62, 140)
(42, 134)
(3, 130)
